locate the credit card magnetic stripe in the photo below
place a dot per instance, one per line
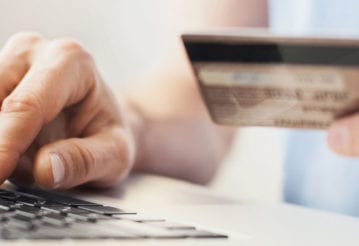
(273, 53)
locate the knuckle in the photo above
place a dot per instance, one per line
(86, 161)
(25, 38)
(20, 44)
(70, 48)
(69, 52)
(67, 44)
(21, 104)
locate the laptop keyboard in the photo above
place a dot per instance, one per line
(40, 215)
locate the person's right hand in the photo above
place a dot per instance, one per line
(60, 126)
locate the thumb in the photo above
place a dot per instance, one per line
(101, 159)
(343, 136)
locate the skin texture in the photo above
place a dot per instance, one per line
(343, 136)
(55, 102)
(61, 127)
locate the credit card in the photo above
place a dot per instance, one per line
(261, 79)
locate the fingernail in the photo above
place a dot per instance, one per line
(58, 169)
(338, 137)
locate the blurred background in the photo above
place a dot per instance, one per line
(128, 39)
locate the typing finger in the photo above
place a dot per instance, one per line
(63, 75)
(102, 158)
(15, 60)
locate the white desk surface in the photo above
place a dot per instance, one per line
(246, 223)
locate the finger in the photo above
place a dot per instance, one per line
(14, 60)
(55, 81)
(343, 136)
(101, 159)
(23, 174)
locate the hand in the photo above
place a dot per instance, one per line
(343, 136)
(60, 126)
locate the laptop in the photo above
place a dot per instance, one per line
(34, 214)
(184, 207)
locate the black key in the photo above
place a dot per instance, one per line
(77, 213)
(56, 216)
(73, 210)
(90, 217)
(5, 192)
(59, 198)
(58, 208)
(72, 201)
(57, 219)
(20, 222)
(31, 211)
(53, 205)
(85, 215)
(9, 196)
(21, 217)
(106, 210)
(30, 200)
(6, 203)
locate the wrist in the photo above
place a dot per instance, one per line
(137, 124)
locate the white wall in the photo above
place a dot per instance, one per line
(126, 38)
(123, 35)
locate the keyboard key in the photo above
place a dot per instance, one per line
(31, 211)
(62, 199)
(21, 217)
(57, 219)
(56, 208)
(20, 222)
(30, 200)
(6, 203)
(8, 195)
(73, 210)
